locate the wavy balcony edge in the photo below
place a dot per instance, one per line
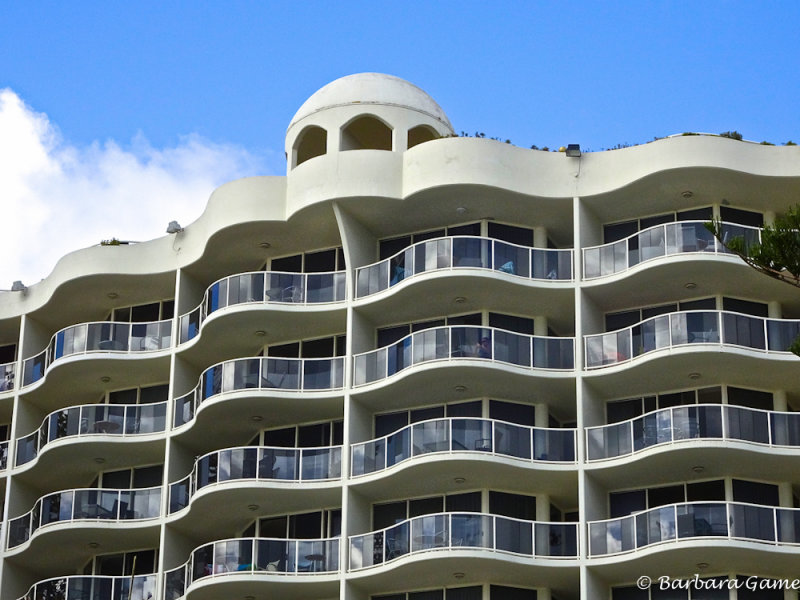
(464, 531)
(464, 252)
(478, 436)
(689, 423)
(98, 337)
(732, 521)
(263, 287)
(256, 464)
(260, 374)
(453, 343)
(687, 328)
(116, 420)
(85, 504)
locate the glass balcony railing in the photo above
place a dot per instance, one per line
(92, 419)
(661, 240)
(450, 531)
(7, 372)
(694, 422)
(248, 556)
(105, 336)
(464, 252)
(258, 463)
(281, 374)
(691, 520)
(85, 504)
(94, 587)
(690, 327)
(459, 342)
(264, 286)
(4, 455)
(464, 435)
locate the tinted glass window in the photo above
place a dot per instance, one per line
(291, 264)
(509, 233)
(617, 231)
(320, 262)
(742, 217)
(705, 491)
(624, 503)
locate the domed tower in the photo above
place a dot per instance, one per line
(366, 111)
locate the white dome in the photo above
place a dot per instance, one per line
(371, 89)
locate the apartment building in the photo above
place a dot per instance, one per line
(417, 367)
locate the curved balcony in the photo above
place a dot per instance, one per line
(484, 436)
(455, 343)
(104, 336)
(85, 504)
(254, 556)
(261, 374)
(295, 465)
(690, 328)
(261, 287)
(91, 420)
(461, 252)
(691, 423)
(100, 587)
(695, 520)
(7, 372)
(667, 239)
(458, 531)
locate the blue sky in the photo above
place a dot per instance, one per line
(115, 95)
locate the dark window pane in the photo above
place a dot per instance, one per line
(112, 564)
(628, 593)
(521, 414)
(471, 229)
(272, 528)
(167, 309)
(387, 248)
(306, 526)
(309, 436)
(648, 222)
(145, 313)
(390, 335)
(428, 595)
(511, 323)
(742, 217)
(282, 438)
(709, 396)
(705, 491)
(389, 423)
(117, 480)
(750, 398)
(155, 393)
(620, 320)
(322, 348)
(502, 592)
(320, 262)
(654, 311)
(703, 304)
(290, 264)
(521, 236)
(696, 214)
(285, 350)
(755, 492)
(617, 231)
(428, 324)
(671, 494)
(622, 410)
(144, 477)
(425, 506)
(423, 414)
(473, 319)
(757, 309)
(469, 502)
(464, 409)
(466, 593)
(385, 515)
(429, 235)
(516, 506)
(123, 397)
(625, 503)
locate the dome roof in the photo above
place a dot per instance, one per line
(371, 88)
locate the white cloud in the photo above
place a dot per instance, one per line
(56, 197)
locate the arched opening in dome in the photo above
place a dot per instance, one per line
(312, 141)
(421, 134)
(366, 133)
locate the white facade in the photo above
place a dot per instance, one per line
(418, 366)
